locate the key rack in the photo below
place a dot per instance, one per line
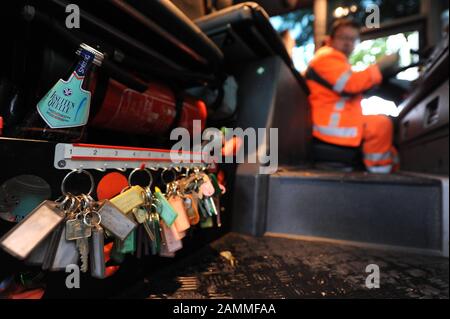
(102, 157)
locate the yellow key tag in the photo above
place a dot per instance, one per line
(129, 199)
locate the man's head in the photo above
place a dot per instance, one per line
(343, 35)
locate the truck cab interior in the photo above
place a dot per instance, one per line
(319, 216)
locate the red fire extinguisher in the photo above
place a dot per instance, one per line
(152, 112)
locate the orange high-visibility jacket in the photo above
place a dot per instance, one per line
(336, 93)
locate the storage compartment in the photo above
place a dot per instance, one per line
(428, 115)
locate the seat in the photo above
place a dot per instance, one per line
(334, 157)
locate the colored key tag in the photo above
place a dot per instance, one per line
(166, 211)
(131, 198)
(207, 188)
(182, 221)
(215, 183)
(207, 223)
(127, 246)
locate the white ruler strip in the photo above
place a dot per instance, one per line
(69, 156)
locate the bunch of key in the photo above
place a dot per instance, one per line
(58, 234)
(164, 219)
(72, 229)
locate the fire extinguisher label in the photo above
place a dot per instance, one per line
(66, 104)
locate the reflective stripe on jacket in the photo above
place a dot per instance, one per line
(336, 93)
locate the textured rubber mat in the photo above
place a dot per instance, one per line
(284, 268)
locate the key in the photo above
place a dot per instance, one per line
(218, 211)
(212, 205)
(208, 208)
(23, 238)
(141, 216)
(83, 248)
(203, 210)
(97, 256)
(77, 229)
(156, 229)
(149, 231)
(129, 199)
(114, 221)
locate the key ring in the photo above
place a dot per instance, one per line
(186, 173)
(64, 181)
(88, 202)
(141, 169)
(62, 200)
(154, 207)
(88, 223)
(168, 170)
(74, 203)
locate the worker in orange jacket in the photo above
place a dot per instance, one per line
(336, 93)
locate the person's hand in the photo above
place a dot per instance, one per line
(388, 62)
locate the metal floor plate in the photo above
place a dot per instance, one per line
(284, 268)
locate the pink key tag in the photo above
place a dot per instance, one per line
(177, 234)
(172, 244)
(207, 188)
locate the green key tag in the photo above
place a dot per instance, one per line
(116, 253)
(166, 211)
(67, 103)
(207, 223)
(156, 244)
(128, 246)
(215, 183)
